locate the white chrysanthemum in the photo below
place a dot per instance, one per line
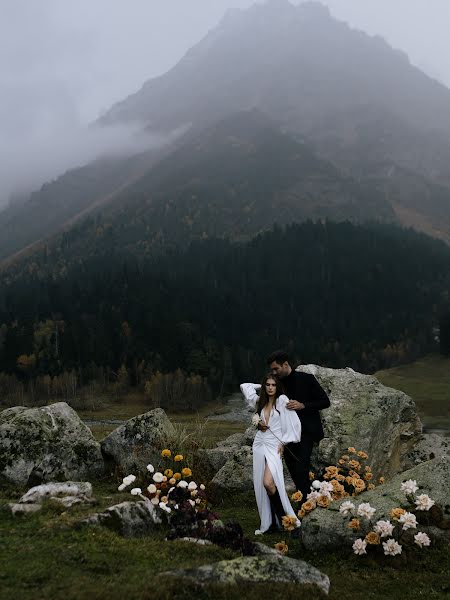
(421, 539)
(359, 546)
(151, 489)
(150, 468)
(409, 487)
(128, 480)
(182, 484)
(158, 477)
(136, 491)
(316, 484)
(391, 548)
(384, 528)
(155, 500)
(192, 485)
(202, 487)
(164, 478)
(163, 506)
(408, 520)
(424, 502)
(325, 488)
(255, 420)
(346, 507)
(365, 510)
(198, 500)
(121, 487)
(313, 495)
(191, 502)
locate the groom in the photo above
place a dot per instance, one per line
(307, 398)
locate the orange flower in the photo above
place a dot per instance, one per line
(351, 450)
(368, 476)
(323, 501)
(354, 464)
(363, 454)
(311, 476)
(301, 513)
(186, 472)
(172, 481)
(289, 523)
(354, 474)
(164, 485)
(340, 477)
(354, 524)
(345, 457)
(178, 458)
(297, 496)
(341, 461)
(372, 538)
(396, 513)
(368, 469)
(359, 485)
(177, 476)
(166, 453)
(308, 505)
(381, 480)
(282, 547)
(370, 486)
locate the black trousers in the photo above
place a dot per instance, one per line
(298, 461)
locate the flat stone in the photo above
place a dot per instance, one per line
(128, 519)
(256, 569)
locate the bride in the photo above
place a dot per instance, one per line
(278, 426)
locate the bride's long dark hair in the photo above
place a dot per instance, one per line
(263, 397)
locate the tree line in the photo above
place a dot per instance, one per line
(202, 318)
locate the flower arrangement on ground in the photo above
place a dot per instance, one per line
(182, 502)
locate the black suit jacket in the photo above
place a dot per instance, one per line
(305, 388)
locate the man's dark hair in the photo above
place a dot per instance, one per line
(279, 356)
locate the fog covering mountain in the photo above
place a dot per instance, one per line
(367, 135)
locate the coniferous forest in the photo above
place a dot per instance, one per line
(205, 316)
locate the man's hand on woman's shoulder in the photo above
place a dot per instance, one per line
(295, 405)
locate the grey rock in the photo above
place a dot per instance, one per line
(137, 442)
(327, 528)
(129, 519)
(429, 446)
(70, 489)
(27, 509)
(263, 550)
(367, 415)
(237, 473)
(46, 444)
(256, 569)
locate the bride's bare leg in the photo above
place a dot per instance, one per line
(268, 481)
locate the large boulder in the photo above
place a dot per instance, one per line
(256, 569)
(128, 519)
(50, 443)
(215, 458)
(137, 442)
(367, 415)
(327, 528)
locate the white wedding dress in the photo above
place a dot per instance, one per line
(284, 427)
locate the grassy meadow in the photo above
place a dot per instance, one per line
(45, 556)
(427, 381)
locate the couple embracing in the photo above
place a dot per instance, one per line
(289, 424)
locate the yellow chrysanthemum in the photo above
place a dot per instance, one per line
(297, 496)
(177, 476)
(372, 538)
(282, 547)
(178, 458)
(289, 523)
(354, 524)
(186, 472)
(396, 513)
(168, 473)
(166, 453)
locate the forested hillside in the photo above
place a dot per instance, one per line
(336, 294)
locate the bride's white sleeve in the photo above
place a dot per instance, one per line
(291, 427)
(249, 392)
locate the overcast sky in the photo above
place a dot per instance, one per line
(63, 62)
